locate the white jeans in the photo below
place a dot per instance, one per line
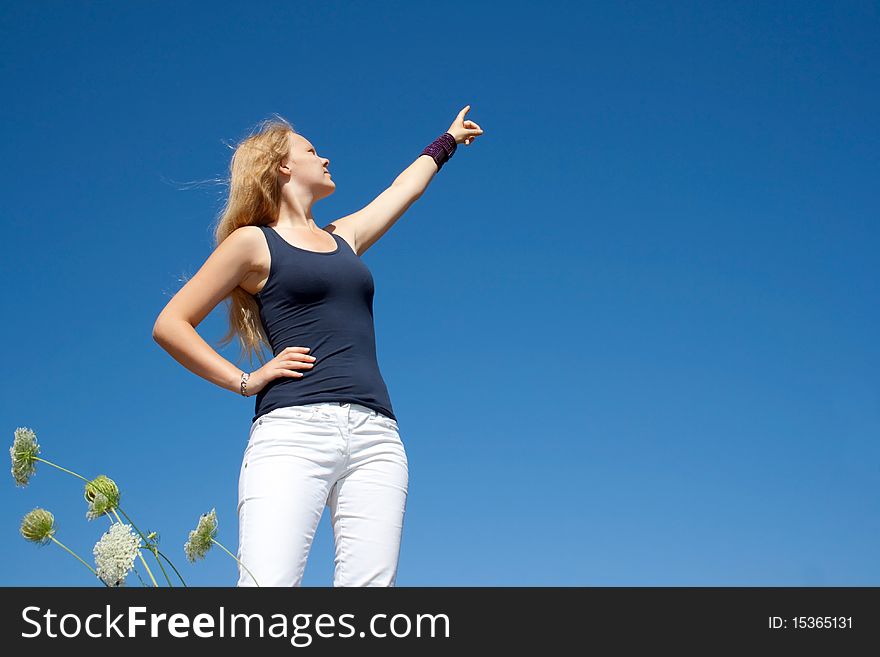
(300, 459)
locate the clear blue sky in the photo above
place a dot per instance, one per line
(630, 334)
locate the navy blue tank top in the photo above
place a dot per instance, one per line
(323, 301)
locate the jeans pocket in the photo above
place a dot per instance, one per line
(297, 418)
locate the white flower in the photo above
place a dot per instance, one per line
(115, 553)
(202, 537)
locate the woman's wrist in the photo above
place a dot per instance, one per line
(441, 149)
(450, 143)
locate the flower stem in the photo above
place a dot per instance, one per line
(37, 458)
(149, 545)
(78, 557)
(234, 557)
(172, 565)
(143, 583)
(155, 551)
(143, 561)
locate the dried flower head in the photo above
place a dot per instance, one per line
(102, 494)
(38, 526)
(24, 449)
(201, 538)
(115, 553)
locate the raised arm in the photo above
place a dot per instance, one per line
(373, 221)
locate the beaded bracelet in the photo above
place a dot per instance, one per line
(244, 377)
(441, 149)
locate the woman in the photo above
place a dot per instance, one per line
(324, 432)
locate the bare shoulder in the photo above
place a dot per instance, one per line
(229, 264)
(248, 234)
(250, 242)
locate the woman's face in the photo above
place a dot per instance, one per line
(307, 168)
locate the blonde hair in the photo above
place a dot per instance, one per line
(254, 199)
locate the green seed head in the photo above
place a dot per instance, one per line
(102, 494)
(38, 526)
(23, 452)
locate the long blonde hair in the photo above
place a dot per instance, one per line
(254, 199)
